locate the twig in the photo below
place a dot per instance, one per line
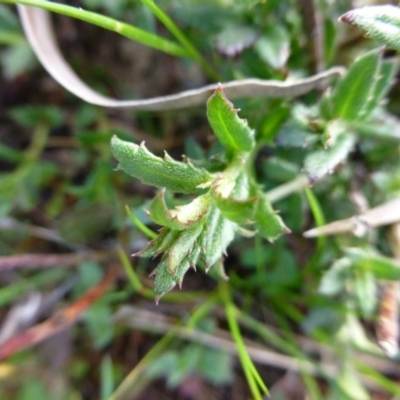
(385, 214)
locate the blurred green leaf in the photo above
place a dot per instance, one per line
(366, 292)
(360, 90)
(98, 319)
(215, 366)
(233, 39)
(334, 280)
(378, 22)
(17, 59)
(273, 46)
(382, 267)
(319, 163)
(30, 116)
(269, 224)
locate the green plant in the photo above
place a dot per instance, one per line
(313, 158)
(229, 200)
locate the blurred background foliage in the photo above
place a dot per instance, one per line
(310, 333)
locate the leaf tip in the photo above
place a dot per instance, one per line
(347, 18)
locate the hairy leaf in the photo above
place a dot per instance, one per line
(218, 232)
(323, 162)
(358, 91)
(378, 22)
(167, 173)
(269, 224)
(232, 132)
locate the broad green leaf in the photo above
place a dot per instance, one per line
(279, 169)
(181, 217)
(381, 267)
(272, 121)
(366, 292)
(378, 22)
(167, 173)
(218, 232)
(273, 46)
(359, 90)
(384, 80)
(348, 383)
(232, 132)
(334, 280)
(215, 365)
(269, 224)
(323, 162)
(294, 135)
(388, 130)
(233, 39)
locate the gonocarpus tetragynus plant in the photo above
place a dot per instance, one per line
(226, 202)
(230, 201)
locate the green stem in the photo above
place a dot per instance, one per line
(182, 39)
(287, 189)
(250, 371)
(122, 28)
(140, 225)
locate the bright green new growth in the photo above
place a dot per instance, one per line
(232, 132)
(200, 232)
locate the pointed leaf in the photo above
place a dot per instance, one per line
(269, 224)
(385, 80)
(188, 262)
(160, 244)
(378, 22)
(163, 173)
(382, 267)
(355, 95)
(182, 246)
(232, 132)
(218, 232)
(323, 162)
(365, 290)
(164, 281)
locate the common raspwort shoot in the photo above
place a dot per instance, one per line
(226, 202)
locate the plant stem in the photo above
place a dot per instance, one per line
(179, 35)
(287, 189)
